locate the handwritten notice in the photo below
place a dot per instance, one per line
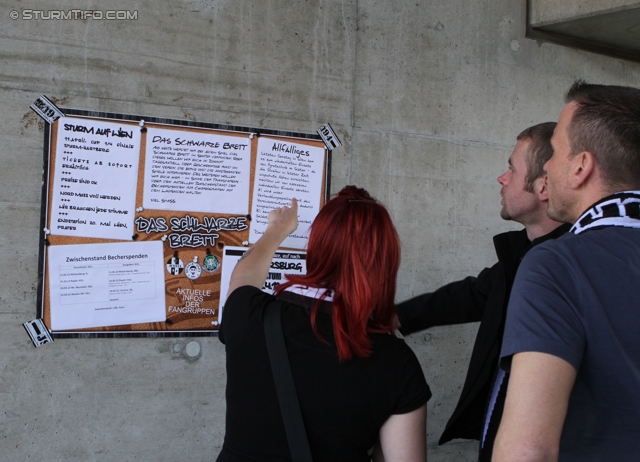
(95, 285)
(95, 178)
(284, 262)
(285, 170)
(197, 172)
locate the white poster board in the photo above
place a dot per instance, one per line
(95, 178)
(197, 172)
(283, 171)
(95, 285)
(138, 215)
(284, 262)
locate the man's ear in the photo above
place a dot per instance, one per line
(582, 168)
(540, 188)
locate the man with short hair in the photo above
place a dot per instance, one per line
(484, 298)
(571, 341)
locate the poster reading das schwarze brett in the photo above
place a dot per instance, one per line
(197, 172)
(191, 192)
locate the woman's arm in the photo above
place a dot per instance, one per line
(403, 437)
(253, 267)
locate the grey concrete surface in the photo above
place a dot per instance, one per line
(609, 24)
(427, 97)
(545, 12)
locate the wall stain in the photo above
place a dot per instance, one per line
(187, 115)
(32, 119)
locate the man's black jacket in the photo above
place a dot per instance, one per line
(483, 298)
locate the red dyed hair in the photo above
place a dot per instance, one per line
(354, 250)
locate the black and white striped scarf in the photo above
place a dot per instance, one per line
(619, 209)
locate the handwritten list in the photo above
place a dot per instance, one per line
(95, 178)
(285, 170)
(197, 172)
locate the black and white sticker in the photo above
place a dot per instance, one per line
(46, 109)
(38, 332)
(175, 265)
(193, 270)
(331, 140)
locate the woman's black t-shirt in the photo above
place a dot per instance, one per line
(343, 404)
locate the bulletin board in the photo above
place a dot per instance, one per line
(140, 215)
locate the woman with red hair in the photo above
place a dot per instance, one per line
(356, 382)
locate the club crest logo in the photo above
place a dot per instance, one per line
(175, 265)
(210, 263)
(193, 270)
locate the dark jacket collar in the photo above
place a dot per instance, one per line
(556, 233)
(512, 246)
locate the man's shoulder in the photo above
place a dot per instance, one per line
(600, 243)
(554, 256)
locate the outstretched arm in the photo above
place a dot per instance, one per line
(535, 408)
(403, 437)
(455, 303)
(253, 267)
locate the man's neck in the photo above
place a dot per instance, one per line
(589, 198)
(541, 228)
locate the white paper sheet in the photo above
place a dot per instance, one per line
(197, 172)
(95, 178)
(284, 262)
(96, 285)
(283, 171)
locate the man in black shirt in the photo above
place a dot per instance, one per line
(484, 298)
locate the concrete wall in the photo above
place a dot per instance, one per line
(427, 97)
(545, 12)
